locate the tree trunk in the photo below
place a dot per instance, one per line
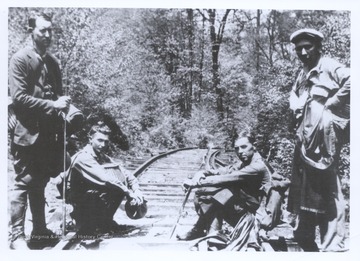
(190, 74)
(257, 41)
(201, 62)
(216, 39)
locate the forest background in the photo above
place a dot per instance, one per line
(173, 78)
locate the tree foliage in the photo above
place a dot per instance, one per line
(163, 75)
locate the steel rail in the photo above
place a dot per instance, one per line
(147, 163)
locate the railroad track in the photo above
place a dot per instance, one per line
(160, 179)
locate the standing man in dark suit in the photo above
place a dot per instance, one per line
(37, 146)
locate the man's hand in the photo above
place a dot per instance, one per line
(137, 196)
(58, 179)
(187, 184)
(63, 103)
(198, 177)
(194, 182)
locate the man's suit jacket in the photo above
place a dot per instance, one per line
(27, 81)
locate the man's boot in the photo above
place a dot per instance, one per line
(44, 238)
(18, 206)
(41, 236)
(193, 233)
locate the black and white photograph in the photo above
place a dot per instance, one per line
(182, 128)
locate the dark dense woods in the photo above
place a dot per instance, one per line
(175, 78)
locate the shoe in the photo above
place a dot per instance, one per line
(104, 228)
(19, 244)
(192, 234)
(111, 227)
(42, 239)
(88, 233)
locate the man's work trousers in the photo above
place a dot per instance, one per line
(95, 210)
(21, 191)
(332, 228)
(33, 165)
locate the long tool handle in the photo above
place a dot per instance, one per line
(181, 211)
(64, 185)
(204, 163)
(64, 168)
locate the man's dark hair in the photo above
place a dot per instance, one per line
(100, 127)
(248, 135)
(47, 16)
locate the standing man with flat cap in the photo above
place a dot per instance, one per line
(320, 101)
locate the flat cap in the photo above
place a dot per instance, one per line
(306, 33)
